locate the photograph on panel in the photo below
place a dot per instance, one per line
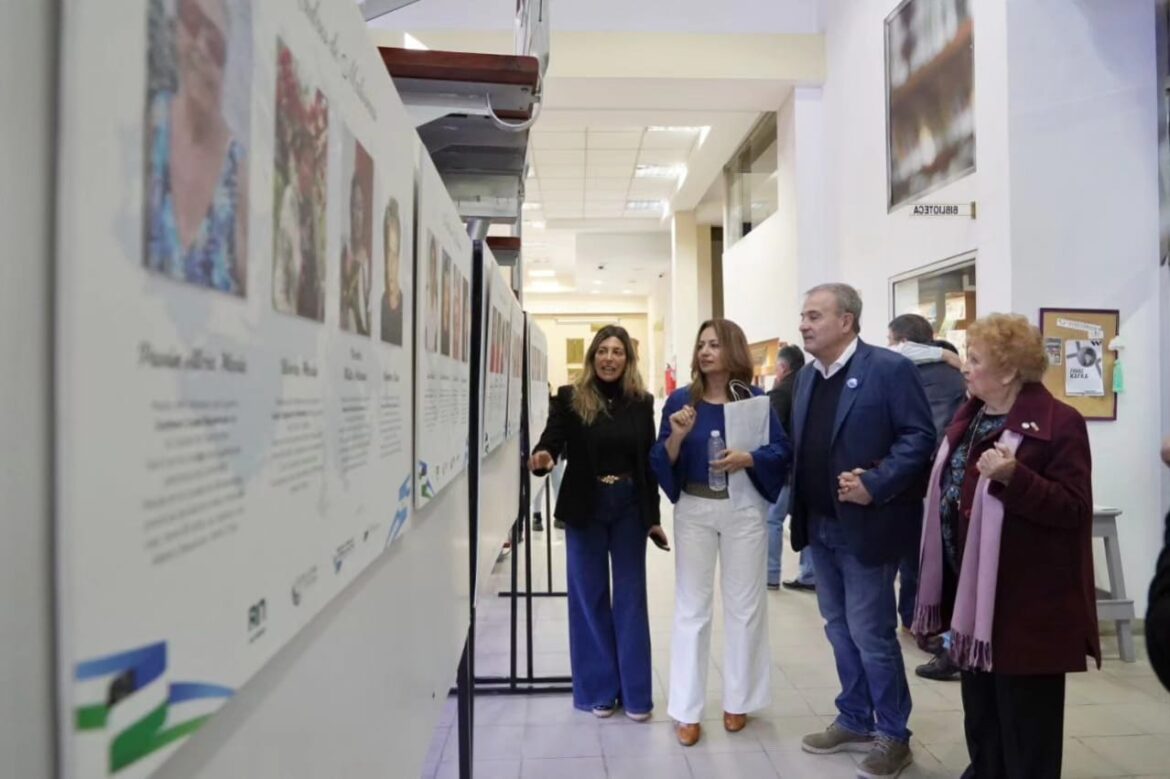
(466, 298)
(302, 143)
(445, 321)
(432, 309)
(392, 268)
(930, 85)
(357, 176)
(198, 82)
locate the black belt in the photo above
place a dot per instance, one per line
(700, 490)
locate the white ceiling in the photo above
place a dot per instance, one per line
(591, 172)
(704, 16)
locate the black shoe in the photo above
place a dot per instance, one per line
(537, 522)
(559, 523)
(772, 585)
(940, 669)
(796, 584)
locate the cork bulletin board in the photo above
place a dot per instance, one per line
(1080, 362)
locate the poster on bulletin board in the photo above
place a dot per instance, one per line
(234, 347)
(442, 350)
(515, 335)
(538, 386)
(495, 396)
(1081, 365)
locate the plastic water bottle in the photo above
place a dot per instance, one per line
(716, 480)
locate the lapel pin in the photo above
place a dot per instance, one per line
(851, 384)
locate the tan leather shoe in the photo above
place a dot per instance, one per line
(688, 733)
(734, 723)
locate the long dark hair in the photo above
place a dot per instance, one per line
(587, 399)
(737, 358)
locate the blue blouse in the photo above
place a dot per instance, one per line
(211, 259)
(769, 474)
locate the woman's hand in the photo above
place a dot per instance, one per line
(731, 461)
(997, 464)
(682, 422)
(540, 461)
(658, 536)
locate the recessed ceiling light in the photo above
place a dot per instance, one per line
(660, 171)
(658, 128)
(645, 205)
(627, 292)
(597, 282)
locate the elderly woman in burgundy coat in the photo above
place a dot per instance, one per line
(1006, 560)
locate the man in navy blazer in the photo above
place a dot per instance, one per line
(863, 438)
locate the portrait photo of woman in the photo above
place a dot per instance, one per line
(391, 265)
(195, 226)
(356, 243)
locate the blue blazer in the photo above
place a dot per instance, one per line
(883, 425)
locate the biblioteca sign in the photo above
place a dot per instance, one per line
(943, 209)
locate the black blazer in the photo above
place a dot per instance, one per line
(567, 436)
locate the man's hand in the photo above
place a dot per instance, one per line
(997, 464)
(850, 488)
(731, 461)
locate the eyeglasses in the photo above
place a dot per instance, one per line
(191, 16)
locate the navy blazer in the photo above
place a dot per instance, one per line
(883, 425)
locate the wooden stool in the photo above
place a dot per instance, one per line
(1112, 605)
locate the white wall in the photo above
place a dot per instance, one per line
(1066, 191)
(28, 91)
(766, 272)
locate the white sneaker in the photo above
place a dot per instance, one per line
(639, 717)
(601, 712)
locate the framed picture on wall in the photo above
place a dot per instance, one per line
(930, 120)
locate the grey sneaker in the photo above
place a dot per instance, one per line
(836, 739)
(886, 760)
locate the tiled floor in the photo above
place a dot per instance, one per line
(1117, 720)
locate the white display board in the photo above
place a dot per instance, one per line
(234, 350)
(497, 327)
(516, 329)
(538, 386)
(443, 340)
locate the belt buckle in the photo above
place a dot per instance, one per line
(609, 480)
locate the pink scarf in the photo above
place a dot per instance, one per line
(974, 611)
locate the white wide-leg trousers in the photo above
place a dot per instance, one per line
(705, 531)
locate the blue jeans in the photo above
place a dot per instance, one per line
(609, 639)
(776, 516)
(861, 622)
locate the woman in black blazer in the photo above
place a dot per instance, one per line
(604, 425)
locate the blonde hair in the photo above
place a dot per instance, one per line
(733, 347)
(587, 399)
(1011, 343)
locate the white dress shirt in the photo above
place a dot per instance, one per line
(839, 363)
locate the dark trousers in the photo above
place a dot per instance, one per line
(1014, 725)
(609, 637)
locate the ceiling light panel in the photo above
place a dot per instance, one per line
(671, 172)
(669, 140)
